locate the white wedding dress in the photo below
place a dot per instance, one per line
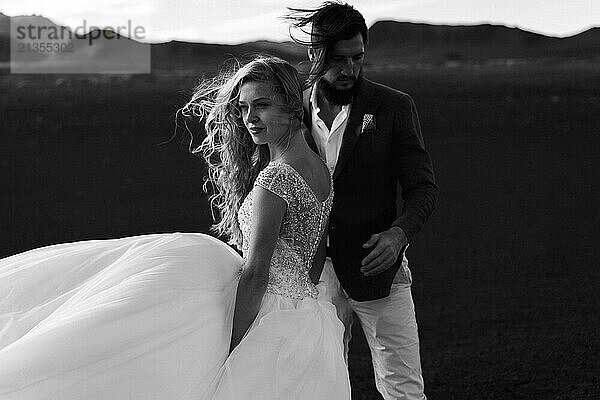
(150, 317)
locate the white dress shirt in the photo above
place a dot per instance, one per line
(329, 141)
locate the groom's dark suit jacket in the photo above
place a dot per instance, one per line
(376, 155)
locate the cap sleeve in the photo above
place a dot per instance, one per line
(278, 180)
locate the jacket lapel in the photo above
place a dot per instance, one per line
(307, 119)
(353, 128)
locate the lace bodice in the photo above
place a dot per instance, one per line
(303, 224)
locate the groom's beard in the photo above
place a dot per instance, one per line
(340, 97)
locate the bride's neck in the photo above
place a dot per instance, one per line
(288, 146)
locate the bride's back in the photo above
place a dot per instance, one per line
(314, 172)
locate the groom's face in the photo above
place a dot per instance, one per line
(345, 63)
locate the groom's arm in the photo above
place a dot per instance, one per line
(413, 169)
(319, 258)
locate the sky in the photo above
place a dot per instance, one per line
(238, 21)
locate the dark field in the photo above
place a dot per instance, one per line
(506, 272)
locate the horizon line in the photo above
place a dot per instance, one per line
(272, 40)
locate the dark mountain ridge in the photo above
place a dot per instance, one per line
(391, 42)
(437, 43)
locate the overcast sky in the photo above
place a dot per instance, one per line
(236, 21)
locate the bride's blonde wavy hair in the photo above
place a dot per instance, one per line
(233, 159)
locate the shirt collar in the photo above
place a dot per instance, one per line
(313, 99)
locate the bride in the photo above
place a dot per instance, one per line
(183, 316)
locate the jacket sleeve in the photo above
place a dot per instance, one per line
(413, 169)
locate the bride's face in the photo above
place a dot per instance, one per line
(264, 114)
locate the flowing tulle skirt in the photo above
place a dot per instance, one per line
(149, 317)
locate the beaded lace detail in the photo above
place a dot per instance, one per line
(303, 224)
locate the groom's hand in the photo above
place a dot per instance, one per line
(386, 249)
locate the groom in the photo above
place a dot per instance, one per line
(369, 136)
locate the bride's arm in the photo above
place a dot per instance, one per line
(267, 213)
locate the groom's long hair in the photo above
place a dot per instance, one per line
(233, 159)
(321, 28)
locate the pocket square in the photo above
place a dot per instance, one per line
(368, 124)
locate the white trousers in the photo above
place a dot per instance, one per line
(390, 327)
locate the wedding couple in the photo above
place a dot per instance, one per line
(306, 186)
